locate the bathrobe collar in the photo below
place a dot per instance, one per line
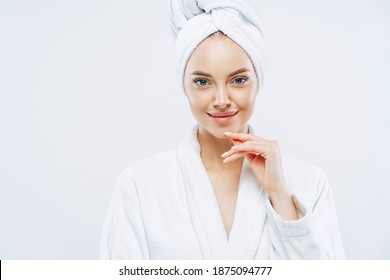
(249, 216)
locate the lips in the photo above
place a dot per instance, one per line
(222, 114)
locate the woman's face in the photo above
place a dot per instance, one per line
(220, 80)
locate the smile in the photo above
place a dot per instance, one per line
(223, 118)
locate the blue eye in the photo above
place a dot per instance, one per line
(201, 82)
(241, 80)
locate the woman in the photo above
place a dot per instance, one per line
(224, 193)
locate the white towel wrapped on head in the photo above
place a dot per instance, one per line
(194, 20)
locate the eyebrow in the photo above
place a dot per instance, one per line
(231, 74)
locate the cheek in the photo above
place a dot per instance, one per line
(246, 100)
(198, 102)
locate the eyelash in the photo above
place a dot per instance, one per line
(243, 78)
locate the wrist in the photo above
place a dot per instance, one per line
(281, 194)
(283, 204)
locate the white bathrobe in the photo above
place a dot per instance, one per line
(164, 207)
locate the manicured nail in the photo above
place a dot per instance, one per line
(224, 154)
(233, 147)
(228, 132)
(226, 159)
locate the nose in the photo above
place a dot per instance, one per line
(222, 99)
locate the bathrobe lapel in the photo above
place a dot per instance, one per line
(249, 216)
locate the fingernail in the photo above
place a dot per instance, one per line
(228, 132)
(224, 154)
(233, 147)
(226, 159)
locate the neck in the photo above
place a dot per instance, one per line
(212, 147)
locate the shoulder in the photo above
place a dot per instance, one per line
(154, 170)
(301, 168)
(304, 179)
(154, 163)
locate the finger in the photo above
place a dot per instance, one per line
(236, 142)
(235, 156)
(232, 151)
(243, 136)
(228, 153)
(252, 142)
(253, 147)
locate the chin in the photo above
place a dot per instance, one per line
(219, 132)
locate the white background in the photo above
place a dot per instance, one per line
(87, 87)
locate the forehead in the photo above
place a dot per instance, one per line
(220, 55)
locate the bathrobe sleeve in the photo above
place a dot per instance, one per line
(123, 235)
(315, 235)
